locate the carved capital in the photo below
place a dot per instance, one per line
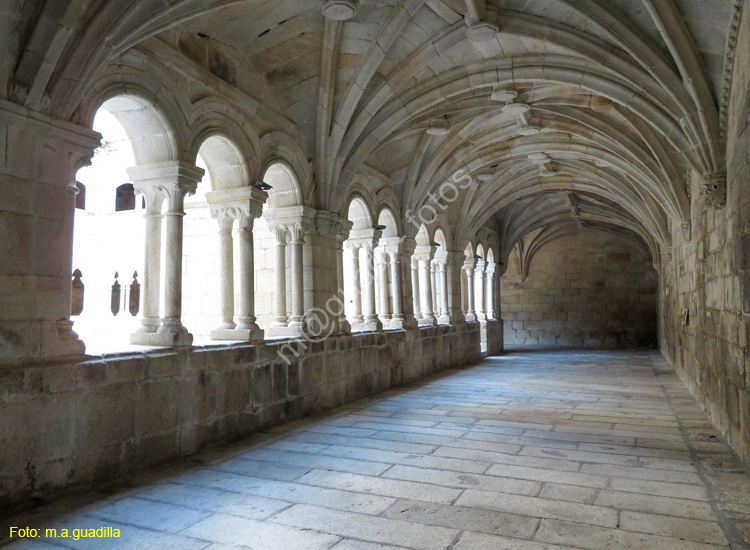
(326, 224)
(715, 190)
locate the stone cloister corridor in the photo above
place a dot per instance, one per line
(375, 274)
(533, 450)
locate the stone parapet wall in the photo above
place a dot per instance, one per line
(97, 419)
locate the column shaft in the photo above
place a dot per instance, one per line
(279, 298)
(297, 318)
(226, 251)
(425, 288)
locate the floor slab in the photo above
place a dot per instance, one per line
(534, 450)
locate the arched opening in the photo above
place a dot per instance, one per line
(359, 281)
(274, 279)
(439, 278)
(108, 238)
(386, 271)
(467, 284)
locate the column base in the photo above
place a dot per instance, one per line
(367, 326)
(238, 334)
(471, 318)
(427, 322)
(165, 336)
(344, 327)
(444, 320)
(401, 324)
(284, 332)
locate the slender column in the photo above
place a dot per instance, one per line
(454, 284)
(151, 281)
(279, 297)
(352, 251)
(368, 285)
(443, 281)
(424, 256)
(171, 181)
(434, 287)
(243, 204)
(479, 290)
(490, 293)
(226, 251)
(469, 271)
(297, 231)
(398, 314)
(172, 329)
(381, 280)
(415, 289)
(343, 228)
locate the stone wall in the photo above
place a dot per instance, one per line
(709, 277)
(100, 418)
(591, 288)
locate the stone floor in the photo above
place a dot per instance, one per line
(529, 451)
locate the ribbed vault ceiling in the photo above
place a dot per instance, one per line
(576, 111)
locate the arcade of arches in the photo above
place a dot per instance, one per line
(218, 216)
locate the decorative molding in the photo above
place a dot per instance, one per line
(729, 55)
(715, 190)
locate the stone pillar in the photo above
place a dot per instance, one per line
(469, 274)
(151, 281)
(434, 286)
(226, 261)
(342, 234)
(454, 263)
(479, 290)
(381, 281)
(365, 241)
(490, 292)
(400, 252)
(279, 298)
(173, 181)
(297, 231)
(415, 289)
(424, 256)
(352, 253)
(243, 204)
(445, 317)
(39, 159)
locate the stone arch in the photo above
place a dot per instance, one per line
(225, 162)
(278, 147)
(389, 220)
(359, 213)
(286, 190)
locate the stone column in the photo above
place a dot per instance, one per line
(434, 286)
(490, 292)
(424, 256)
(365, 241)
(399, 253)
(479, 290)
(37, 176)
(279, 298)
(297, 231)
(243, 204)
(151, 281)
(454, 283)
(226, 251)
(415, 289)
(342, 234)
(352, 253)
(381, 281)
(469, 273)
(444, 318)
(173, 181)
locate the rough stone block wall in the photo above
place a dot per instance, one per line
(589, 289)
(709, 276)
(93, 420)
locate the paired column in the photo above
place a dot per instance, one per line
(468, 267)
(362, 244)
(490, 291)
(424, 256)
(454, 263)
(382, 271)
(243, 205)
(399, 252)
(441, 265)
(289, 227)
(170, 181)
(414, 263)
(343, 227)
(479, 290)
